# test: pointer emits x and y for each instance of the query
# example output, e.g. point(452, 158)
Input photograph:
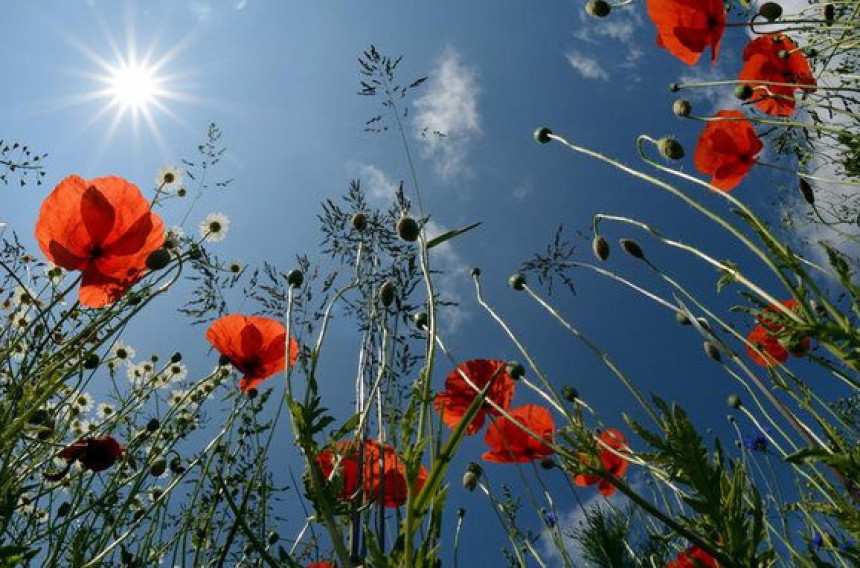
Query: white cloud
point(376, 183)
point(450, 282)
point(586, 66)
point(447, 118)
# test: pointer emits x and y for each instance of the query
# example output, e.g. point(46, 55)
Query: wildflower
point(817, 540)
point(168, 176)
point(510, 443)
point(769, 338)
point(84, 401)
point(686, 28)
point(452, 403)
point(123, 352)
point(105, 410)
point(173, 237)
point(176, 372)
point(757, 442)
point(103, 227)
point(693, 557)
point(214, 227)
point(322, 564)
point(55, 274)
point(727, 149)
point(612, 442)
point(178, 398)
point(139, 374)
point(776, 59)
point(94, 454)
point(255, 345)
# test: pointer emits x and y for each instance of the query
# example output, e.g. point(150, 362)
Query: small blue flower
point(817, 540)
point(549, 519)
point(757, 442)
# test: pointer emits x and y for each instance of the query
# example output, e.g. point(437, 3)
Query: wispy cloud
point(451, 280)
point(378, 186)
point(586, 66)
point(447, 118)
point(613, 37)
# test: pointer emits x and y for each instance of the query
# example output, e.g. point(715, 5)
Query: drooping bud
point(472, 475)
point(542, 135)
point(770, 11)
point(712, 351)
point(682, 318)
point(806, 191)
point(407, 228)
point(743, 92)
point(295, 278)
point(600, 247)
point(670, 148)
point(515, 370)
point(598, 8)
point(420, 320)
point(359, 221)
point(682, 108)
point(632, 248)
point(569, 393)
point(386, 293)
point(158, 259)
point(517, 281)
point(734, 401)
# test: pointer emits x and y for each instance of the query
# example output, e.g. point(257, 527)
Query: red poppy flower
point(95, 454)
point(255, 345)
point(686, 27)
point(458, 395)
point(766, 336)
point(383, 475)
point(509, 443)
point(610, 461)
point(693, 557)
point(727, 149)
point(762, 63)
point(103, 227)
point(322, 564)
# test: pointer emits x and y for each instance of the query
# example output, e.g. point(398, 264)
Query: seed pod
point(295, 278)
point(569, 393)
point(743, 92)
point(158, 467)
point(734, 401)
point(682, 108)
point(407, 229)
point(770, 11)
point(598, 8)
point(632, 248)
point(600, 247)
point(359, 221)
point(420, 320)
point(670, 148)
point(158, 259)
point(386, 293)
point(517, 281)
point(542, 135)
point(515, 370)
point(806, 191)
point(712, 351)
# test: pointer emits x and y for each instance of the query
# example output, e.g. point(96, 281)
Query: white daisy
point(123, 351)
point(176, 371)
point(173, 237)
point(168, 177)
point(55, 274)
point(214, 227)
point(83, 400)
point(80, 428)
point(178, 398)
point(105, 410)
point(155, 492)
point(42, 516)
point(138, 374)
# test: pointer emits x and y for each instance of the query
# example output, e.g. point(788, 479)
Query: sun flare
point(133, 86)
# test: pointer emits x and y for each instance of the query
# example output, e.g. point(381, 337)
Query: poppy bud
point(569, 393)
point(295, 278)
point(461, 512)
point(176, 466)
point(806, 191)
point(674, 87)
point(420, 320)
point(470, 481)
point(63, 509)
point(829, 14)
point(386, 293)
point(547, 463)
point(670, 148)
point(475, 272)
point(181, 192)
point(91, 361)
point(515, 370)
point(407, 228)
point(704, 323)
point(600, 247)
point(176, 357)
point(158, 259)
point(682, 108)
point(517, 281)
point(734, 401)
point(252, 393)
point(682, 318)
point(542, 135)
point(743, 92)
point(598, 8)
point(770, 11)
point(223, 361)
point(359, 221)
point(712, 351)
point(153, 425)
point(632, 248)
point(158, 467)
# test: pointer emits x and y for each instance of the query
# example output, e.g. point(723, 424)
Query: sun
point(133, 86)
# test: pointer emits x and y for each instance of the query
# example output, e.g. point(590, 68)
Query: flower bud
point(295, 278)
point(176, 466)
point(682, 108)
point(712, 351)
point(598, 8)
point(272, 538)
point(517, 281)
point(682, 318)
point(770, 11)
point(743, 92)
point(64, 509)
point(600, 247)
point(569, 393)
point(407, 228)
point(806, 191)
point(472, 475)
point(176, 357)
point(359, 221)
point(223, 361)
point(158, 259)
point(734, 401)
point(386, 293)
point(420, 320)
point(515, 370)
point(542, 135)
point(158, 467)
point(475, 272)
point(153, 425)
point(829, 14)
point(670, 148)
point(632, 248)
point(91, 361)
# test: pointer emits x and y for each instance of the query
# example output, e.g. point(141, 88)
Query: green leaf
point(450, 235)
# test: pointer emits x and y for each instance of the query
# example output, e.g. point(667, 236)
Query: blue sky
point(280, 79)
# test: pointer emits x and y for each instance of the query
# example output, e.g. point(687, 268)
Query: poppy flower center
point(96, 252)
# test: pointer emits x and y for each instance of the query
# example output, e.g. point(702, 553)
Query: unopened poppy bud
point(420, 320)
point(674, 87)
point(475, 272)
point(64, 509)
point(682, 108)
point(569, 393)
point(295, 278)
point(153, 425)
point(712, 351)
point(515, 370)
point(223, 361)
point(770, 11)
point(806, 191)
point(407, 228)
point(359, 221)
point(734, 401)
point(670, 148)
point(386, 293)
point(176, 357)
point(470, 481)
point(743, 92)
point(158, 259)
point(461, 512)
point(682, 318)
point(547, 463)
point(542, 135)
point(158, 467)
point(829, 14)
point(600, 247)
point(517, 281)
point(704, 323)
point(91, 361)
point(632, 248)
point(598, 8)
point(252, 393)
point(272, 538)
point(181, 192)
